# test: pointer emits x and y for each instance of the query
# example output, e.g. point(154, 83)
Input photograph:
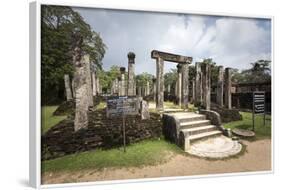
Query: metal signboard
point(258, 105)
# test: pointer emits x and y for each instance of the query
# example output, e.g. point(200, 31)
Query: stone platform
point(215, 147)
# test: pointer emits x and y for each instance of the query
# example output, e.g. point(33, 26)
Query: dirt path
point(256, 158)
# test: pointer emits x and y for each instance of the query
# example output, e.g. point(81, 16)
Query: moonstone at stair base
point(215, 147)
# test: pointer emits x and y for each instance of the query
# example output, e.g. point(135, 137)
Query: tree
point(57, 26)
point(141, 79)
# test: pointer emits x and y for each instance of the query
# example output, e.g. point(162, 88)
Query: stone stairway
point(191, 126)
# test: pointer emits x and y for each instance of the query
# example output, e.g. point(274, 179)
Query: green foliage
point(142, 79)
point(48, 120)
point(170, 78)
point(260, 130)
point(107, 77)
point(57, 26)
point(149, 152)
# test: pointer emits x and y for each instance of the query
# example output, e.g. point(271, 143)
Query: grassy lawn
point(47, 119)
point(149, 152)
point(247, 123)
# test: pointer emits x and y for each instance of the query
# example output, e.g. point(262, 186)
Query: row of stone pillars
point(183, 62)
point(203, 86)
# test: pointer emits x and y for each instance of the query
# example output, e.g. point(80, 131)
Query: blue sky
point(229, 41)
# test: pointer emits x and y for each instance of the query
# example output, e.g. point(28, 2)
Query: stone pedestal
point(67, 88)
point(220, 87)
point(159, 83)
point(198, 84)
point(185, 84)
point(131, 74)
point(228, 88)
point(206, 85)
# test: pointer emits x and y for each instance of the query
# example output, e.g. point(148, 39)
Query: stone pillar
point(206, 85)
point(220, 87)
point(228, 88)
point(139, 91)
point(176, 89)
point(179, 82)
point(86, 58)
point(73, 88)
point(98, 85)
point(131, 74)
point(159, 83)
point(154, 89)
point(94, 83)
point(185, 84)
point(169, 89)
point(81, 103)
point(193, 90)
point(67, 88)
point(198, 84)
point(147, 88)
point(119, 86)
point(122, 72)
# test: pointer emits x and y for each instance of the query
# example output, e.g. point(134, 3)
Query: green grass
point(149, 152)
point(101, 105)
point(48, 120)
point(247, 123)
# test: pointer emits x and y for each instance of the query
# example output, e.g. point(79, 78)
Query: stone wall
point(105, 133)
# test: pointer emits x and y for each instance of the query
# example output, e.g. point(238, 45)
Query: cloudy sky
point(231, 42)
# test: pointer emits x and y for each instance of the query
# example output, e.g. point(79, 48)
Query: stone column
point(98, 85)
point(220, 87)
point(131, 74)
point(73, 88)
point(228, 88)
point(119, 86)
point(122, 72)
point(185, 84)
point(159, 83)
point(193, 90)
point(176, 89)
point(147, 88)
point(206, 85)
point(179, 95)
point(81, 103)
point(169, 89)
point(86, 58)
point(198, 84)
point(139, 91)
point(94, 83)
point(154, 89)
point(67, 87)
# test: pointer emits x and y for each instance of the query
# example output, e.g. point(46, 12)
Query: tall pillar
point(86, 58)
point(122, 72)
point(154, 89)
point(206, 85)
point(139, 91)
point(185, 84)
point(94, 83)
point(73, 88)
point(81, 103)
point(147, 88)
point(131, 74)
point(220, 87)
point(98, 85)
point(228, 88)
point(159, 84)
point(198, 84)
point(67, 87)
point(179, 95)
point(176, 89)
point(193, 90)
point(169, 89)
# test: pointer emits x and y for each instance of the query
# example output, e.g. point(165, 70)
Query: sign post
point(120, 106)
point(258, 106)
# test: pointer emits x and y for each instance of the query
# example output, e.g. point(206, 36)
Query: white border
point(35, 92)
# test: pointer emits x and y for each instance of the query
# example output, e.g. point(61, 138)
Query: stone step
point(191, 124)
point(189, 118)
point(202, 129)
point(171, 110)
point(204, 135)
